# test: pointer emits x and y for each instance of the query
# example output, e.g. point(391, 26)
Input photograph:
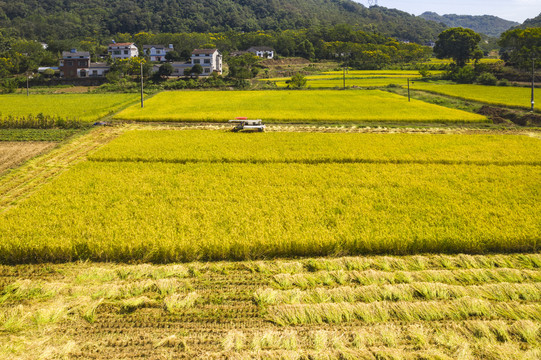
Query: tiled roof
point(260, 48)
point(99, 65)
point(121, 44)
point(76, 54)
point(203, 51)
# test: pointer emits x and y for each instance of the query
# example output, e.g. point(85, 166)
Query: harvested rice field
point(14, 153)
point(379, 307)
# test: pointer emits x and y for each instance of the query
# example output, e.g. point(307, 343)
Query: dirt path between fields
point(25, 180)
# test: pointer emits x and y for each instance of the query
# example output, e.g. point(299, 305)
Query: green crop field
point(495, 95)
point(36, 134)
point(81, 107)
point(292, 106)
point(221, 209)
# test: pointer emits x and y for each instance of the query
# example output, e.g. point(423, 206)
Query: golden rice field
point(382, 73)
point(292, 107)
point(356, 78)
point(496, 95)
point(286, 147)
point(335, 82)
point(228, 209)
point(81, 107)
point(454, 217)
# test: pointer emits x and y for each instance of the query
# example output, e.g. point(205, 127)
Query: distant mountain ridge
point(64, 19)
point(533, 22)
point(484, 24)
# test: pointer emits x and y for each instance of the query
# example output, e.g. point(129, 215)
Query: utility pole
point(409, 99)
point(533, 82)
point(344, 76)
point(142, 104)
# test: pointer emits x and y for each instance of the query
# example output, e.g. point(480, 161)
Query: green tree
point(297, 81)
point(165, 70)
point(520, 46)
point(173, 56)
point(243, 67)
point(459, 44)
point(196, 70)
point(306, 50)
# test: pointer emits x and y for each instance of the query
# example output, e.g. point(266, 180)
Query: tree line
point(343, 43)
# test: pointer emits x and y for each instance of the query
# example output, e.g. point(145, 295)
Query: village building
point(209, 59)
point(73, 62)
point(76, 64)
point(97, 70)
point(122, 50)
point(264, 52)
point(157, 52)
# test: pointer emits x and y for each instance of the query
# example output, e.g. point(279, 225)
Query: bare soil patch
point(15, 153)
point(75, 90)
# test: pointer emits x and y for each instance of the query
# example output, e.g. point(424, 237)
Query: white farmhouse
point(209, 59)
point(264, 52)
point(157, 52)
point(123, 50)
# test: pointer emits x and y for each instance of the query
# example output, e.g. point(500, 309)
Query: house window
point(116, 52)
point(69, 63)
point(196, 61)
point(207, 70)
point(125, 52)
point(207, 61)
point(81, 63)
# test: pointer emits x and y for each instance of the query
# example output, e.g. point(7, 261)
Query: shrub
point(463, 75)
point(175, 85)
point(487, 78)
point(297, 81)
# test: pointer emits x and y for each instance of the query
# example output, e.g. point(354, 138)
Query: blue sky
point(515, 10)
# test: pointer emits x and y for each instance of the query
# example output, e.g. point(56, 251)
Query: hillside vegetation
point(67, 19)
point(534, 22)
point(485, 24)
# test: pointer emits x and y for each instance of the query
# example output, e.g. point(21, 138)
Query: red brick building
point(73, 62)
